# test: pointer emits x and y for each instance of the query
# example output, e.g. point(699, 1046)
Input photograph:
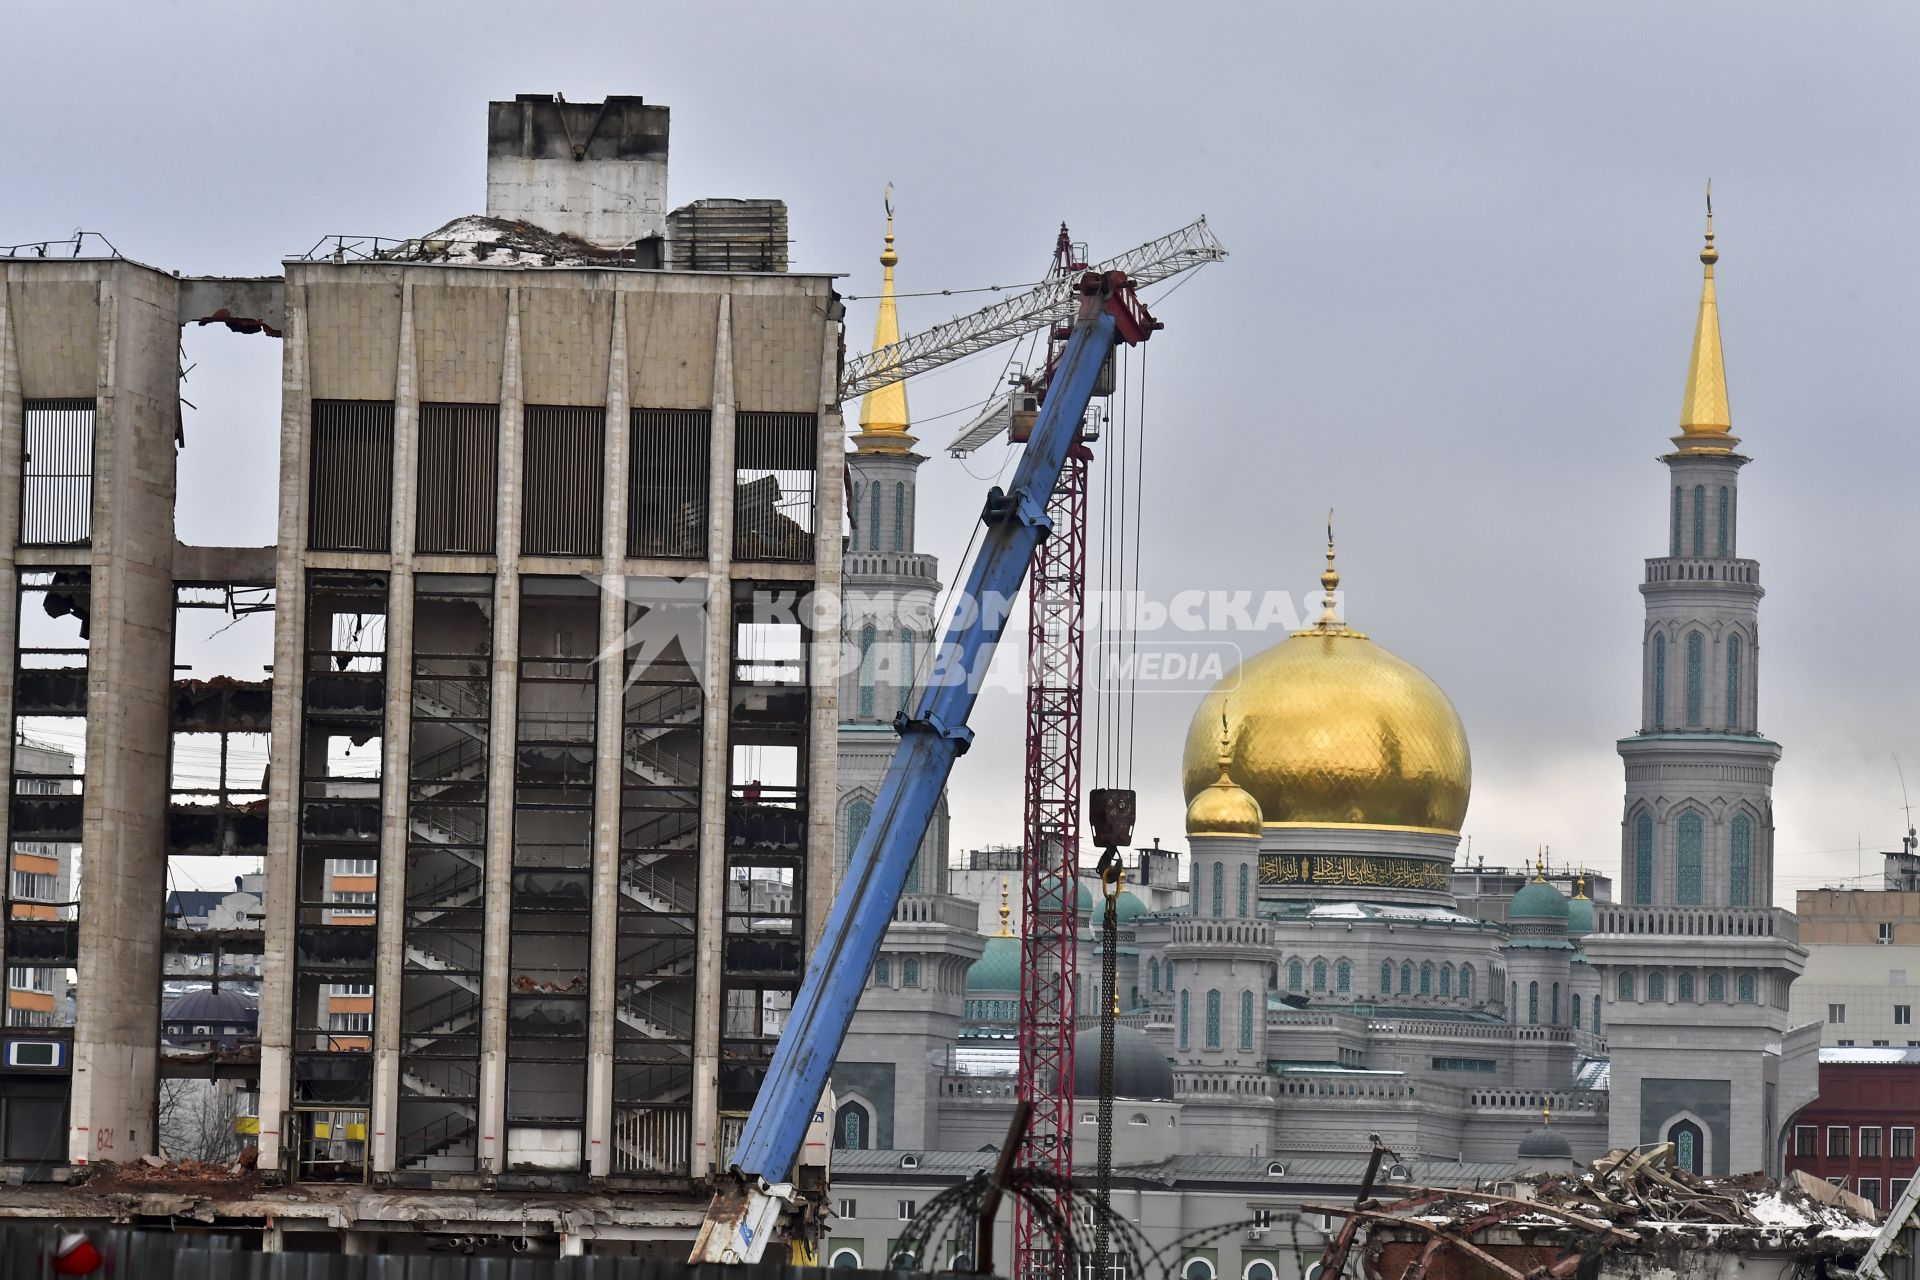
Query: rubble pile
point(502, 242)
point(1642, 1189)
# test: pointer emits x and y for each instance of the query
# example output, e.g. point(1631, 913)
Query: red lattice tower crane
point(1056, 652)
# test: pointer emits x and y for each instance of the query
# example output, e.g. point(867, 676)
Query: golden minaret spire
point(883, 411)
point(1706, 425)
point(1329, 623)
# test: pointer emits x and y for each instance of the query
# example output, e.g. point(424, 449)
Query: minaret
point(1695, 963)
point(1698, 824)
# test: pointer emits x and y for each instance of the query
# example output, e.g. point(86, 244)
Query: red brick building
point(1859, 1133)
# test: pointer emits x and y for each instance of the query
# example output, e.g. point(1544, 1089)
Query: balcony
point(937, 909)
point(892, 564)
point(1696, 922)
point(1703, 569)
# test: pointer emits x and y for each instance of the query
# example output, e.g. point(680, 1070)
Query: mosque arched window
point(1319, 975)
point(1716, 988)
point(1246, 1021)
point(1153, 973)
point(1513, 1002)
point(899, 517)
point(906, 669)
point(1696, 676)
point(1596, 1015)
point(1244, 870)
point(1213, 1019)
point(1722, 543)
point(1699, 520)
point(1626, 984)
point(1406, 977)
point(1446, 979)
point(1676, 520)
point(1386, 977)
point(1688, 1144)
point(1183, 1018)
point(1689, 841)
point(1533, 1003)
point(1643, 859)
point(853, 1127)
point(1659, 680)
point(883, 972)
point(1343, 977)
point(1219, 889)
point(866, 669)
point(1426, 979)
point(1740, 861)
point(1555, 1008)
point(1656, 985)
point(1733, 681)
point(873, 533)
point(1295, 976)
point(1683, 988)
point(859, 814)
point(1466, 982)
point(910, 972)
point(1575, 1019)
point(1747, 985)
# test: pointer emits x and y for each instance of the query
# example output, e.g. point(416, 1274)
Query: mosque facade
point(1321, 983)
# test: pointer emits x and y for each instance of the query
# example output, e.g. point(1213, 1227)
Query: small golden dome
point(1223, 809)
point(1329, 729)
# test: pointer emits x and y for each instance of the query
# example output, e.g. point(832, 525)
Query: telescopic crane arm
point(747, 1208)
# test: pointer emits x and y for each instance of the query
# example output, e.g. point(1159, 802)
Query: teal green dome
point(1538, 901)
point(1050, 901)
point(997, 971)
point(1580, 915)
point(1128, 908)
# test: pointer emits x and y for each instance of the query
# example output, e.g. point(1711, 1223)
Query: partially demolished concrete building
point(553, 690)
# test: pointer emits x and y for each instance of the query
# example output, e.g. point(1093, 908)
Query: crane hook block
point(1111, 811)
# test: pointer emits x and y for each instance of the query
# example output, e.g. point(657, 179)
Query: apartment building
point(553, 691)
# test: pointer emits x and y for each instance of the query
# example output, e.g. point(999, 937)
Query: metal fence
point(56, 480)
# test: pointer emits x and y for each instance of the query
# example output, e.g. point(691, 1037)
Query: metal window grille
point(565, 461)
point(773, 486)
point(56, 474)
point(669, 460)
point(459, 478)
point(350, 485)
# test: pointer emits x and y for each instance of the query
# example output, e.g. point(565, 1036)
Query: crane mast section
point(738, 1225)
point(1191, 246)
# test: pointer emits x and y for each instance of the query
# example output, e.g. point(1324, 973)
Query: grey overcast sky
point(1458, 307)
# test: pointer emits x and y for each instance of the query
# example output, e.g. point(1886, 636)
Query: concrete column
point(392, 895)
point(823, 731)
point(116, 1028)
point(11, 442)
point(607, 761)
point(283, 748)
point(500, 756)
point(716, 765)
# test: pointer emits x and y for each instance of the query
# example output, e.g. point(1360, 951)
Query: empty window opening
point(773, 486)
point(227, 469)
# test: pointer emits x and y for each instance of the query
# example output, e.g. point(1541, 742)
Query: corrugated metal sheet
point(565, 464)
point(459, 478)
point(350, 485)
point(670, 461)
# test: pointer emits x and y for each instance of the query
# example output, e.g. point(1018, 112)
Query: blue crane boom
point(747, 1206)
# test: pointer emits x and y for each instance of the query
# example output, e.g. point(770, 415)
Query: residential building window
point(1896, 1188)
point(1246, 1021)
point(1838, 1141)
point(361, 1022)
point(1885, 934)
point(849, 1209)
point(1213, 1019)
point(1733, 682)
point(1343, 976)
point(1901, 1146)
point(1643, 859)
point(1740, 861)
point(1869, 1143)
point(1836, 1014)
point(1659, 680)
point(908, 1210)
point(1844, 1044)
point(1689, 840)
point(1696, 674)
point(1183, 1019)
point(1806, 1140)
point(1902, 1015)
point(1870, 1192)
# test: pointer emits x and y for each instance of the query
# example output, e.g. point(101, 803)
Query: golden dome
point(1224, 808)
point(1329, 729)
